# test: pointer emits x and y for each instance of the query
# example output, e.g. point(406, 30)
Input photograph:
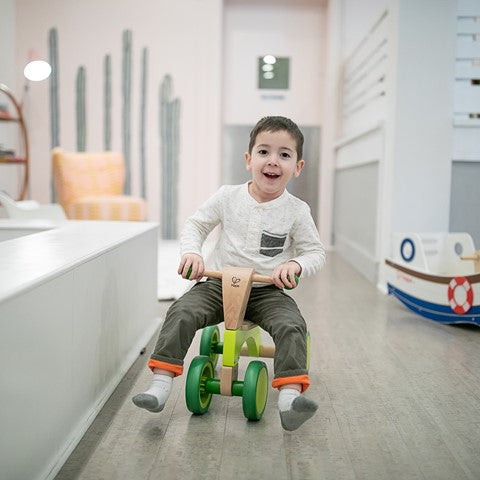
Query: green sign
point(273, 72)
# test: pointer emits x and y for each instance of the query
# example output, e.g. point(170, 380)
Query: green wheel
point(308, 341)
point(210, 337)
point(255, 390)
point(197, 399)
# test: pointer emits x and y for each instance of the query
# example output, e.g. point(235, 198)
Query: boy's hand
point(284, 275)
point(191, 260)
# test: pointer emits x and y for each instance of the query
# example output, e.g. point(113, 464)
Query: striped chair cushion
point(107, 207)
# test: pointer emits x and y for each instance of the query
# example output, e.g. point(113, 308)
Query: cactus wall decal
point(81, 110)
point(107, 103)
point(143, 118)
point(54, 110)
point(169, 136)
point(169, 115)
point(126, 107)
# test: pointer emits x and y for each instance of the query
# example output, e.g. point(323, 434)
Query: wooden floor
point(399, 398)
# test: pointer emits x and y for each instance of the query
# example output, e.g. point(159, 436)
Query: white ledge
point(33, 259)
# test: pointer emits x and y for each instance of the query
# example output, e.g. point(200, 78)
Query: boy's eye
point(285, 155)
point(262, 151)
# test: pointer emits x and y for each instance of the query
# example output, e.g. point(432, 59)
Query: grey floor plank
point(399, 398)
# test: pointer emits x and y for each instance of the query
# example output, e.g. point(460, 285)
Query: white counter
point(77, 305)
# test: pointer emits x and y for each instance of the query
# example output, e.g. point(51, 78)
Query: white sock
point(155, 397)
point(286, 397)
point(160, 387)
point(294, 408)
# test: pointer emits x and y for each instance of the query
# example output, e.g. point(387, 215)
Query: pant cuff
point(303, 380)
point(171, 367)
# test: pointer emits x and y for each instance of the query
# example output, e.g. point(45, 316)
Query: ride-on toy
point(241, 338)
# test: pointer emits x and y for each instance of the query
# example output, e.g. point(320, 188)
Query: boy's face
point(273, 162)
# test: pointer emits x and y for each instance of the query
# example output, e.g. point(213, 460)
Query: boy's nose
point(273, 160)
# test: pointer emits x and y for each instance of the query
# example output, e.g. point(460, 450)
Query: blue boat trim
point(435, 311)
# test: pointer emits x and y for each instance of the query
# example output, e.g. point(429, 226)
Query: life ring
point(407, 249)
point(464, 284)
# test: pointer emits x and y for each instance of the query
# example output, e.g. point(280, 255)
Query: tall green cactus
point(126, 106)
point(169, 152)
point(107, 106)
point(54, 109)
point(81, 110)
point(143, 120)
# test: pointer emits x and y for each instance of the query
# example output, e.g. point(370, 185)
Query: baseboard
point(364, 262)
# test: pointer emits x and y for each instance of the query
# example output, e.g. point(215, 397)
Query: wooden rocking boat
point(436, 275)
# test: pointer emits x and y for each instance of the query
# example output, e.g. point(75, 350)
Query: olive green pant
point(269, 307)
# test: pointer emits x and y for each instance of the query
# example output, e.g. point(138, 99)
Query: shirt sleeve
point(201, 223)
point(310, 253)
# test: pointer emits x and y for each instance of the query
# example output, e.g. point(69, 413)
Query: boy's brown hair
point(275, 124)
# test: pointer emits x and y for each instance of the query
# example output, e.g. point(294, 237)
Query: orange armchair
point(89, 186)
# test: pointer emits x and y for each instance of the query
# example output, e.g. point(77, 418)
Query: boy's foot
point(155, 397)
point(295, 409)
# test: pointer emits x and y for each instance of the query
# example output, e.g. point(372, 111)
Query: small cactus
point(81, 110)
point(126, 110)
point(107, 114)
point(54, 109)
point(169, 155)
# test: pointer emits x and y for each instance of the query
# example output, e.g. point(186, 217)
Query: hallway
point(399, 398)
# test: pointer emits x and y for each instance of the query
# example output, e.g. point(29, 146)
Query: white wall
point(183, 38)
point(254, 29)
point(423, 115)
point(408, 107)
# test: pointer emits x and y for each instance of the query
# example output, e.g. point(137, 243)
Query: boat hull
point(433, 296)
point(434, 311)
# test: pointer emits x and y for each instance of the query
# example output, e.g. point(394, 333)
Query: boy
point(263, 227)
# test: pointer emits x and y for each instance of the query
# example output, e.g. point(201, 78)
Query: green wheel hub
point(197, 398)
point(255, 390)
point(210, 338)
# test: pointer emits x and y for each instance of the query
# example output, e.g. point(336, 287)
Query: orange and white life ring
point(460, 295)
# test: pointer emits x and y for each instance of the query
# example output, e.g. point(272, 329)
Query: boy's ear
point(298, 167)
point(248, 159)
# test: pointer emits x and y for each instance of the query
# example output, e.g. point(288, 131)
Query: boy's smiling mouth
point(271, 175)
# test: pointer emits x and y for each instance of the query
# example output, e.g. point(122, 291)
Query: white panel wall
point(396, 109)
point(357, 19)
point(359, 150)
point(467, 83)
point(466, 125)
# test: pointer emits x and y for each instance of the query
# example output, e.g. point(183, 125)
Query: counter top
point(32, 259)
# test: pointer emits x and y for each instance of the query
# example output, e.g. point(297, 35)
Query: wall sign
point(273, 72)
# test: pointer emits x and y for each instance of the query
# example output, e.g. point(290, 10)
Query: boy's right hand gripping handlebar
point(255, 277)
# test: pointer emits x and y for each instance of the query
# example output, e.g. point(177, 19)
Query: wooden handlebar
point(470, 257)
point(255, 278)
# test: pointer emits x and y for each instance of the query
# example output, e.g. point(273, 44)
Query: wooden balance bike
point(241, 338)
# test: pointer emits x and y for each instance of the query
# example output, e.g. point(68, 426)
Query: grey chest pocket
point(272, 244)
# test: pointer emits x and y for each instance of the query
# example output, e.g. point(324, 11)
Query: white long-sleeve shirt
point(255, 235)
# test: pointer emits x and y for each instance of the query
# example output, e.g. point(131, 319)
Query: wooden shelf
point(13, 160)
point(4, 118)
point(21, 160)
